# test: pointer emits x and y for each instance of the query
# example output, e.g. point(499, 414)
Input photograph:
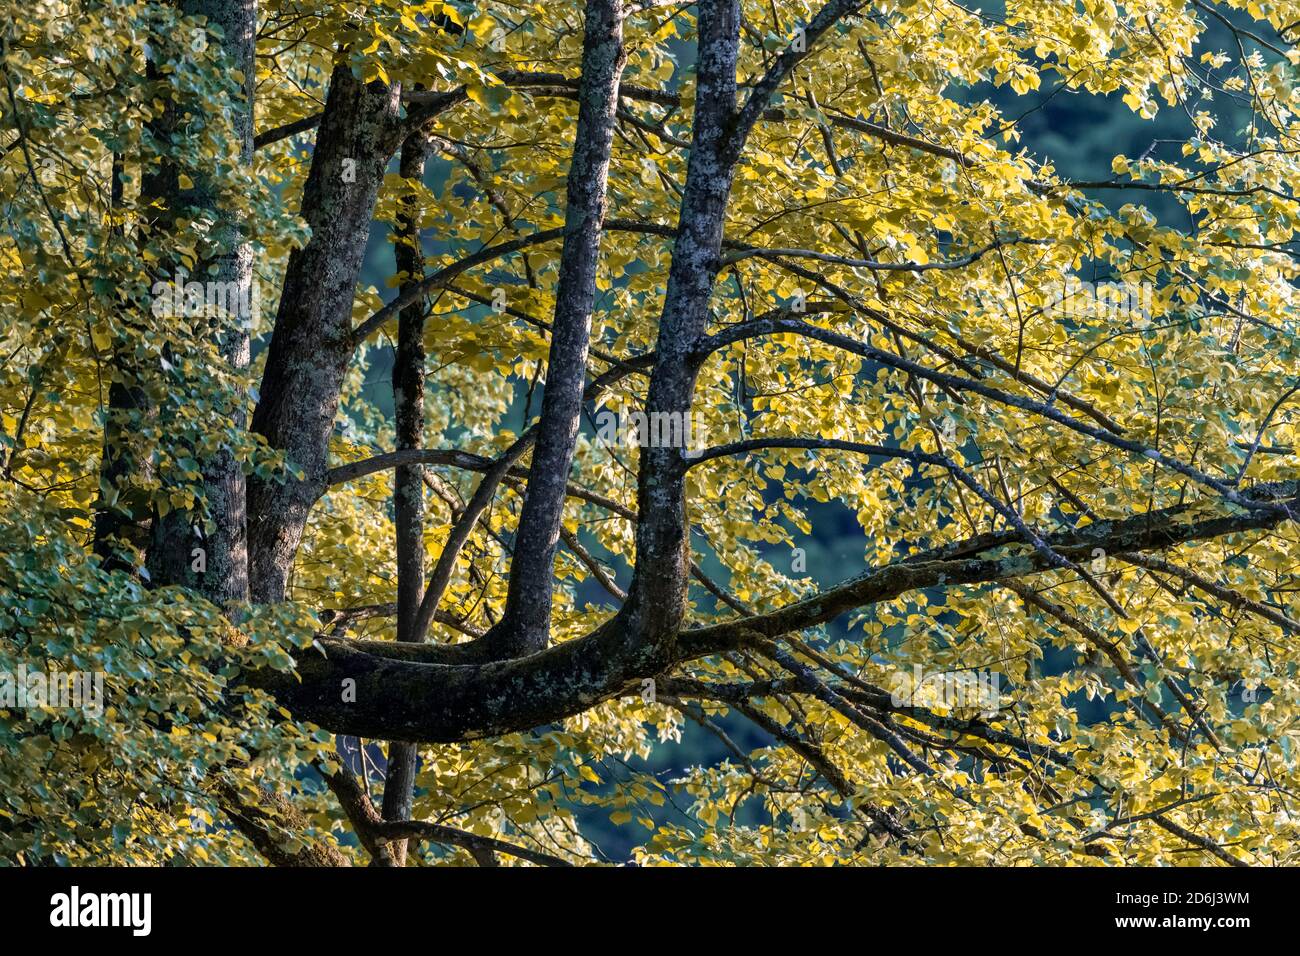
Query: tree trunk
point(311, 346)
point(526, 625)
point(225, 579)
point(657, 597)
point(408, 480)
point(121, 516)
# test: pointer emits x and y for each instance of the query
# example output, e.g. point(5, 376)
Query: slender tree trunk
point(657, 597)
point(121, 516)
point(408, 480)
point(217, 560)
point(225, 578)
point(526, 625)
point(311, 346)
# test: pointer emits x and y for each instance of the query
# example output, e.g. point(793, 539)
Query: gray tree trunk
point(525, 627)
point(311, 346)
point(220, 566)
point(408, 480)
point(225, 579)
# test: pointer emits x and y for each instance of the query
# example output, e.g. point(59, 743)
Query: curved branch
point(447, 273)
point(387, 690)
point(746, 252)
point(769, 326)
point(376, 833)
point(781, 68)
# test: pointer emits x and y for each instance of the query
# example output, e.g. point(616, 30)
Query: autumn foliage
point(309, 313)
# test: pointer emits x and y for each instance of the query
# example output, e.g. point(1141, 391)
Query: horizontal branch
point(392, 831)
point(1055, 393)
point(1046, 410)
point(386, 690)
point(1224, 594)
point(746, 252)
point(406, 456)
point(975, 561)
point(375, 832)
point(1183, 188)
point(274, 135)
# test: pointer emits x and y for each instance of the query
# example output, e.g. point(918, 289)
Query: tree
point(671, 283)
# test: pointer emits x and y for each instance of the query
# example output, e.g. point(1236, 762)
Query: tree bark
point(311, 345)
point(275, 827)
point(406, 692)
point(525, 628)
point(408, 480)
point(657, 597)
point(225, 580)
